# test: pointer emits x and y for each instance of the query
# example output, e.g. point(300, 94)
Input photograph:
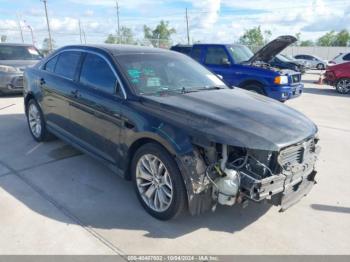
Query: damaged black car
point(160, 119)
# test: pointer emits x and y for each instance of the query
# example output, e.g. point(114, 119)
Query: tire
point(320, 67)
point(255, 88)
point(156, 184)
point(36, 122)
point(343, 86)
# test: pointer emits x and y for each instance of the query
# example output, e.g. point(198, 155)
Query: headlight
point(281, 80)
point(8, 69)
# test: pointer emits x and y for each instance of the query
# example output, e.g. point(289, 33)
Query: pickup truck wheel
point(36, 122)
point(343, 86)
point(158, 182)
point(256, 88)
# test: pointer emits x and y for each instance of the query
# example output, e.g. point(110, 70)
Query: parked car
point(14, 58)
point(314, 61)
point(339, 76)
point(238, 66)
point(341, 58)
point(299, 62)
point(282, 62)
point(176, 130)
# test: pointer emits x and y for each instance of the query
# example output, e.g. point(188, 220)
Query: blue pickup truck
point(238, 66)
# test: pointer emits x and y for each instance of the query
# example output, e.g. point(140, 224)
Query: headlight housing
point(8, 69)
point(281, 80)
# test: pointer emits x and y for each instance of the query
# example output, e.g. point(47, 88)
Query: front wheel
point(255, 88)
point(158, 182)
point(343, 86)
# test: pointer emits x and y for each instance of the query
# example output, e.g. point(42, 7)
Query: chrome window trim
point(94, 53)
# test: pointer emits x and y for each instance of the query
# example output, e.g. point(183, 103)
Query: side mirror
point(225, 61)
point(117, 87)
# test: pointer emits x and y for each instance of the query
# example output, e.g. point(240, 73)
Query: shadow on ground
point(328, 208)
point(322, 90)
point(89, 194)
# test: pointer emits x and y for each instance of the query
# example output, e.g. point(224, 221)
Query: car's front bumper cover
point(11, 83)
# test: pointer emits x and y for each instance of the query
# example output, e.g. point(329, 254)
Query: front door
point(95, 108)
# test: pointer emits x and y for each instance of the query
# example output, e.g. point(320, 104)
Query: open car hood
point(270, 50)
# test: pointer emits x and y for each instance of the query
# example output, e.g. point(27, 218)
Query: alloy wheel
point(34, 119)
point(154, 183)
point(343, 86)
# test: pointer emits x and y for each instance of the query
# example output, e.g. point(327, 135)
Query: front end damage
point(227, 175)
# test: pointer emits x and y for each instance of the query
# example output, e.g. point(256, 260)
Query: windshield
point(19, 53)
point(240, 53)
point(166, 73)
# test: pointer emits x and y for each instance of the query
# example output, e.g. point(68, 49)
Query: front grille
point(296, 78)
point(296, 154)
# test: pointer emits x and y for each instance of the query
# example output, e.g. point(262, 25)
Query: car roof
point(15, 44)
point(116, 49)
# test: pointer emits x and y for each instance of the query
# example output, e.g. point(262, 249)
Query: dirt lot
point(55, 200)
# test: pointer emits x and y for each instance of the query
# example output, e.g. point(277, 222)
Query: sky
point(209, 20)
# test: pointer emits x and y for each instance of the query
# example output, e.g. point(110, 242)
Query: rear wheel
point(343, 86)
point(158, 182)
point(36, 122)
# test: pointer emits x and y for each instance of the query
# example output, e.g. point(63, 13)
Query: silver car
point(314, 61)
point(14, 59)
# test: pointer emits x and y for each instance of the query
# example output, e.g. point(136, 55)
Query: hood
point(20, 64)
point(269, 51)
point(233, 116)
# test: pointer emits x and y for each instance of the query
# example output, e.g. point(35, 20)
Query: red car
point(339, 76)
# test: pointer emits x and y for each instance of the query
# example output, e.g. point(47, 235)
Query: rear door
point(57, 84)
point(217, 60)
point(96, 107)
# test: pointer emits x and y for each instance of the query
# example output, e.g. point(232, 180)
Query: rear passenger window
point(97, 73)
point(50, 66)
point(215, 56)
point(347, 57)
point(67, 64)
point(196, 53)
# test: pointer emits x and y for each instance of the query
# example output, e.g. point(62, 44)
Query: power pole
point(117, 7)
point(80, 33)
point(20, 27)
point(48, 25)
point(188, 31)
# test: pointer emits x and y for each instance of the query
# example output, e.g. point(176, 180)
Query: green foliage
point(306, 43)
point(255, 37)
point(46, 45)
point(159, 36)
point(332, 38)
point(126, 37)
point(3, 38)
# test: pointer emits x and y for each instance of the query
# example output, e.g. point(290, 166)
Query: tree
point(3, 38)
point(160, 36)
point(306, 43)
point(46, 45)
point(126, 37)
point(328, 39)
point(342, 38)
point(255, 37)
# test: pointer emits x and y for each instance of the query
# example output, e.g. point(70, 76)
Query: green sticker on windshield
point(134, 73)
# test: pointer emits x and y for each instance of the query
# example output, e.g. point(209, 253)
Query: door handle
point(42, 81)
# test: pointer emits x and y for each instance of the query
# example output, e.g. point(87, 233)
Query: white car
point(314, 61)
point(341, 58)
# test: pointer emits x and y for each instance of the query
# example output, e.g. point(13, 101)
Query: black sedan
point(165, 122)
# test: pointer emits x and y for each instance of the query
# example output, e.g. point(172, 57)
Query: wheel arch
point(252, 82)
